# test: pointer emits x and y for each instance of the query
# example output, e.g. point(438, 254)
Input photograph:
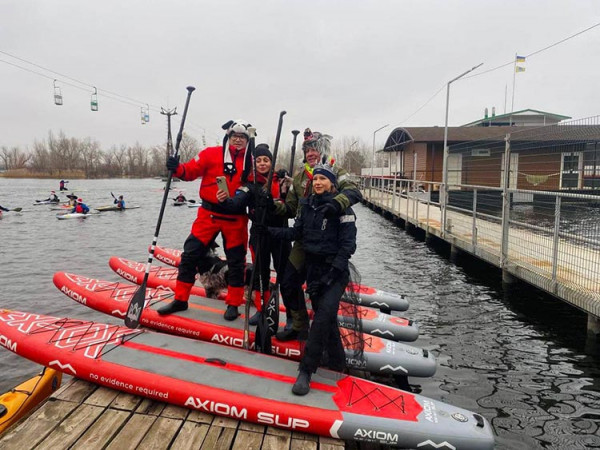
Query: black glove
point(313, 289)
point(333, 274)
point(331, 208)
point(281, 174)
point(265, 200)
point(173, 163)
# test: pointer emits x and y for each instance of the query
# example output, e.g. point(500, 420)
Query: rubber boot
point(174, 306)
point(299, 330)
point(255, 318)
point(231, 313)
point(302, 384)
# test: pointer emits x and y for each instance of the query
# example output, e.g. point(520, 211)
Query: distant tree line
point(60, 155)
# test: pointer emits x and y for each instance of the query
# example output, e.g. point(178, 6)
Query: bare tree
point(188, 148)
point(90, 156)
point(14, 158)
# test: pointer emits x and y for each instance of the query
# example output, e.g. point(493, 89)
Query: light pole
point(444, 192)
point(373, 161)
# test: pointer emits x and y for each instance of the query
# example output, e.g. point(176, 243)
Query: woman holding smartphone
point(250, 196)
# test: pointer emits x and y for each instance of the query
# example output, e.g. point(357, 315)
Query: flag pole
point(512, 105)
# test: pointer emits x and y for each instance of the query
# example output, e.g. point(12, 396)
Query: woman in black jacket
point(328, 241)
point(252, 195)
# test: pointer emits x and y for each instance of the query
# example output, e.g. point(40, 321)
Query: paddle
point(136, 304)
point(262, 339)
point(16, 209)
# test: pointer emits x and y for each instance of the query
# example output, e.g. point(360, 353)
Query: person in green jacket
point(316, 146)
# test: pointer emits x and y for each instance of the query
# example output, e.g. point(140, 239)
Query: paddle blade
point(262, 337)
point(17, 209)
point(135, 308)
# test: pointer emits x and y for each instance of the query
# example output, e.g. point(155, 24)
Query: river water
point(519, 358)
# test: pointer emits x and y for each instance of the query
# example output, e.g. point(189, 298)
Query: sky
point(345, 68)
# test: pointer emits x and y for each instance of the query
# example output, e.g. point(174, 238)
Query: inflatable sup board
point(375, 298)
point(204, 320)
point(373, 321)
point(242, 385)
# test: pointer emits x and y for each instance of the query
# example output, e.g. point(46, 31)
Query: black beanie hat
point(263, 150)
point(327, 171)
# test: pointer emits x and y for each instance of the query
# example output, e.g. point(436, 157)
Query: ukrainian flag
point(519, 69)
point(520, 59)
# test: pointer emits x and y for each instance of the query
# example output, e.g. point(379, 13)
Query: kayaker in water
point(53, 198)
point(72, 199)
point(80, 207)
point(120, 202)
point(315, 148)
point(328, 241)
point(250, 196)
point(62, 185)
point(180, 198)
point(233, 161)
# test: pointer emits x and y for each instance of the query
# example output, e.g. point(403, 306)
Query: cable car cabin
point(58, 100)
point(94, 101)
point(145, 114)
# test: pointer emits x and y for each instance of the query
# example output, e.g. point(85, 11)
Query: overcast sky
point(342, 67)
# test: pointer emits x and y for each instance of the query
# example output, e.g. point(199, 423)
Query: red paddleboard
point(373, 321)
point(204, 320)
point(368, 296)
point(239, 384)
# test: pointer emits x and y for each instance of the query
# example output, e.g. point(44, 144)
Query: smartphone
point(222, 184)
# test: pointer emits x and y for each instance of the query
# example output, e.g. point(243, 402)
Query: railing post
point(505, 205)
point(555, 240)
point(474, 231)
point(414, 185)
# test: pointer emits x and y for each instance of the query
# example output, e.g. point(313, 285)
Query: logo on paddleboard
point(460, 417)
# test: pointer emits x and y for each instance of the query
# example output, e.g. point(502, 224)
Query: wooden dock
point(82, 415)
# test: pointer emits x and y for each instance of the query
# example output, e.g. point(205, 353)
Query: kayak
point(243, 385)
point(176, 203)
point(194, 204)
point(368, 296)
point(204, 320)
point(45, 202)
point(373, 321)
point(114, 208)
point(23, 398)
point(72, 216)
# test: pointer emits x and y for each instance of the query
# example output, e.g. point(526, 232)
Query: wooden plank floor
point(82, 415)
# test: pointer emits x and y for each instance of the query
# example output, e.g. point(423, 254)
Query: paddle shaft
point(262, 213)
point(136, 305)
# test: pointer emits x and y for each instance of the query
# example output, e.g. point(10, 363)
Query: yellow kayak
point(23, 398)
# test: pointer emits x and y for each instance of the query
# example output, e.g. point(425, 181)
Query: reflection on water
point(518, 358)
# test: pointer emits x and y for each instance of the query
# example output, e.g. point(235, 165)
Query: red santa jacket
point(208, 164)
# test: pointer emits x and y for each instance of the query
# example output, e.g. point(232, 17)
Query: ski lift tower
point(169, 113)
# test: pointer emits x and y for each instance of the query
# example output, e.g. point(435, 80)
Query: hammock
point(537, 179)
